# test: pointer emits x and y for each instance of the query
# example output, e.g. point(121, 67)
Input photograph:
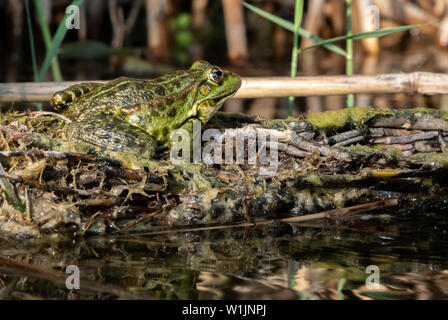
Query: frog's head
point(214, 87)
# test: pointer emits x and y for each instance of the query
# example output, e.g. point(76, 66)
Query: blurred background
point(146, 38)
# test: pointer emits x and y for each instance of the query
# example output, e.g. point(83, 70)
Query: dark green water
point(323, 260)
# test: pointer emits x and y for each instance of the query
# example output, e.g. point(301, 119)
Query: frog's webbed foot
point(113, 134)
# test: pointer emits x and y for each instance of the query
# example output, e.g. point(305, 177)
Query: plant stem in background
point(298, 11)
point(341, 285)
point(290, 27)
point(57, 40)
point(30, 33)
point(237, 49)
point(55, 70)
point(329, 43)
point(365, 35)
point(33, 51)
point(349, 56)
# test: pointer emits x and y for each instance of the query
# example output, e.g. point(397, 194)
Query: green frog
point(136, 115)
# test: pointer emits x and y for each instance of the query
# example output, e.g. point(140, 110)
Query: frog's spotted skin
point(125, 113)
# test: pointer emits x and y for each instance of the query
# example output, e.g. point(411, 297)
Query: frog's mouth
point(220, 100)
point(209, 107)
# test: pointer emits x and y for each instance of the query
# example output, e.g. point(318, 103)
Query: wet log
point(326, 161)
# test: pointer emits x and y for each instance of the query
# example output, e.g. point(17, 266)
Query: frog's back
point(125, 94)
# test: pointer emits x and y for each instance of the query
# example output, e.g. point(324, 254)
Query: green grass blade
point(341, 285)
point(365, 35)
point(298, 13)
point(55, 70)
point(31, 35)
point(57, 40)
point(349, 48)
point(290, 27)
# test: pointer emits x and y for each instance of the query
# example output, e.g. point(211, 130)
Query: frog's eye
point(215, 75)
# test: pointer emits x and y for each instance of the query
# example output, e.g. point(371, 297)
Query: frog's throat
point(196, 114)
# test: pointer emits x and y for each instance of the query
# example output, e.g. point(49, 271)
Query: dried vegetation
point(54, 187)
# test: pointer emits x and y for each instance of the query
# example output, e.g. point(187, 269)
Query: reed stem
point(57, 40)
point(349, 50)
point(55, 69)
point(30, 33)
point(298, 11)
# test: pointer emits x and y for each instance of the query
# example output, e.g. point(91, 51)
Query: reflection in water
point(266, 262)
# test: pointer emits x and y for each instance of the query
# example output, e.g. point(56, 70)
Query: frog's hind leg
point(113, 134)
point(62, 99)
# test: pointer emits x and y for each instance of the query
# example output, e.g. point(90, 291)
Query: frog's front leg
point(114, 134)
point(191, 166)
point(188, 139)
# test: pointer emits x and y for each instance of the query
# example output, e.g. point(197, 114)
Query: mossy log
point(326, 161)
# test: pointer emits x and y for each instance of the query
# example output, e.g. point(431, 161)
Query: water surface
point(319, 260)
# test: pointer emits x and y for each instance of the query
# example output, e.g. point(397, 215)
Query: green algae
point(339, 119)
point(313, 180)
point(411, 113)
point(389, 153)
point(357, 118)
point(439, 158)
